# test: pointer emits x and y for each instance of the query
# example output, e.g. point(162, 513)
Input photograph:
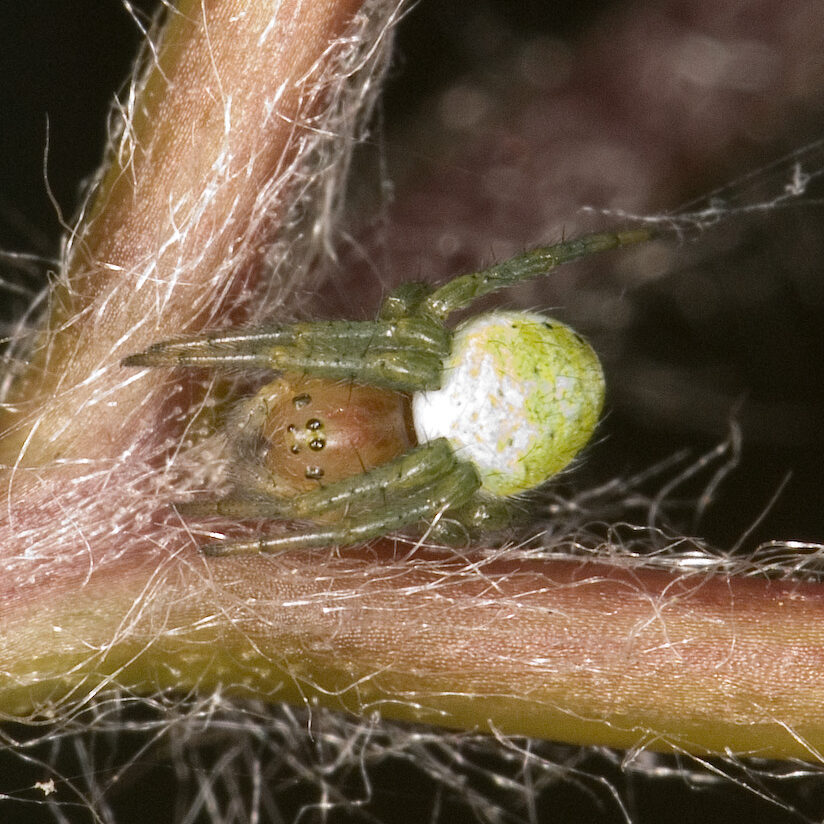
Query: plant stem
point(104, 587)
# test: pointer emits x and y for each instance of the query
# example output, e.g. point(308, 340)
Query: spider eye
point(520, 398)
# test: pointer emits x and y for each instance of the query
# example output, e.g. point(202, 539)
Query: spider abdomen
point(520, 397)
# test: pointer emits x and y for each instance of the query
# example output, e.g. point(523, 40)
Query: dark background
point(61, 63)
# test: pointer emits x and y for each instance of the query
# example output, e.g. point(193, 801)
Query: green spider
point(376, 426)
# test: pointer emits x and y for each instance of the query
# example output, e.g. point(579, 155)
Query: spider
point(375, 426)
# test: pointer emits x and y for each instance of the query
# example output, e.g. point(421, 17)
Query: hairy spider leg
point(462, 291)
point(453, 488)
point(483, 513)
point(405, 355)
point(404, 475)
point(403, 350)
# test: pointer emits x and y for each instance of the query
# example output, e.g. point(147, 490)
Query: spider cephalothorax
point(375, 426)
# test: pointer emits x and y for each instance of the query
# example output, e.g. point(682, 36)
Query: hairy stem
point(104, 587)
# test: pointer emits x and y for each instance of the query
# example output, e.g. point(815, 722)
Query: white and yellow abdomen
point(521, 396)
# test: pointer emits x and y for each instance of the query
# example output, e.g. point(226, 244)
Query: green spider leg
point(465, 289)
point(384, 485)
point(408, 472)
point(371, 352)
point(403, 350)
point(435, 490)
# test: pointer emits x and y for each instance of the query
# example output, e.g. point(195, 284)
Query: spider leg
point(417, 468)
point(462, 291)
point(409, 472)
point(483, 513)
point(404, 354)
point(454, 487)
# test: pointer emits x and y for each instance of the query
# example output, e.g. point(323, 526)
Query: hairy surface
point(610, 629)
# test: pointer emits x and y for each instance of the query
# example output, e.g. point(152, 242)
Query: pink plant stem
point(103, 586)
